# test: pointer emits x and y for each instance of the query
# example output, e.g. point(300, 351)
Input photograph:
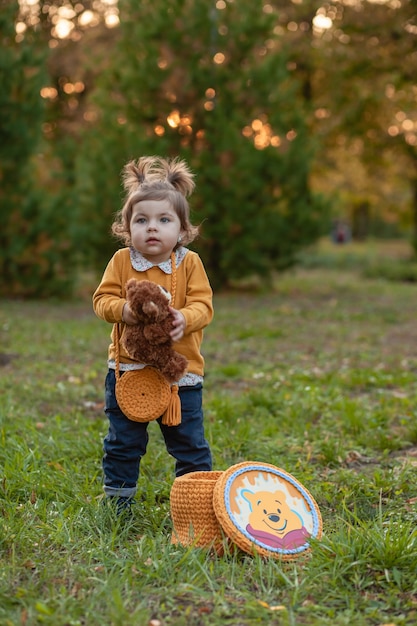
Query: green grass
point(317, 377)
point(391, 260)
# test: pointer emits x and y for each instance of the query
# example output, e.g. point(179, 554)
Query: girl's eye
point(140, 220)
point(165, 220)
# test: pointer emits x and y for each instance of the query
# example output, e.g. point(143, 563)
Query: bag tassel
point(172, 416)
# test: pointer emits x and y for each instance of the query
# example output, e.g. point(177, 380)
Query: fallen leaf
point(56, 465)
point(264, 604)
point(75, 589)
point(272, 607)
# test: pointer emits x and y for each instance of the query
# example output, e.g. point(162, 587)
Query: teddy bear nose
point(274, 518)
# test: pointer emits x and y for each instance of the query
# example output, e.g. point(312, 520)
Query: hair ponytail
point(151, 169)
point(136, 173)
point(178, 174)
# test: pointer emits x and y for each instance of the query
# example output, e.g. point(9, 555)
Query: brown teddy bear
point(149, 341)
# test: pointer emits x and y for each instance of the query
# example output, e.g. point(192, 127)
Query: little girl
point(153, 223)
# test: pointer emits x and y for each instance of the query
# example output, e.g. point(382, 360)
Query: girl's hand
point(128, 317)
point(178, 325)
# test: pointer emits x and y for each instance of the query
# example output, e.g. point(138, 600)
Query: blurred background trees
point(292, 114)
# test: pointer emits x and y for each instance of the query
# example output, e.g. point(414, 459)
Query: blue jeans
point(126, 441)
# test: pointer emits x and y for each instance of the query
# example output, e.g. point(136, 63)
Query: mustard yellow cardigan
point(193, 297)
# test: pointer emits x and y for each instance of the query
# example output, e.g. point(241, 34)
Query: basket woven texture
point(194, 520)
point(143, 395)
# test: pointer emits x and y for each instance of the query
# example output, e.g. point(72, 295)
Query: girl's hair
point(155, 178)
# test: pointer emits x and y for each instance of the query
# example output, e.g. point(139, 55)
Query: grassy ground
point(317, 377)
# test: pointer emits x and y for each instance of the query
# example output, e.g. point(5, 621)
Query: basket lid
point(262, 508)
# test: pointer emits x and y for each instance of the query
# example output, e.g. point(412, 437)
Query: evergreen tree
point(210, 82)
point(362, 82)
point(35, 250)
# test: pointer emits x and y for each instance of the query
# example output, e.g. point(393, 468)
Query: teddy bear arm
point(134, 342)
point(157, 333)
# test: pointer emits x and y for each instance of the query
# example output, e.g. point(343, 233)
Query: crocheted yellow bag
point(143, 395)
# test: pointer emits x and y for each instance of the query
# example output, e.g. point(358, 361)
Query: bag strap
point(117, 332)
point(173, 278)
point(117, 343)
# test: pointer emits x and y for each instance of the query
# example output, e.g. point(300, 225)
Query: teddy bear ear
point(150, 308)
point(129, 286)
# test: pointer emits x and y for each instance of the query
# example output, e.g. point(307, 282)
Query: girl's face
point(154, 229)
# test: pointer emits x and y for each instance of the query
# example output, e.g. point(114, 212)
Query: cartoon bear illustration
point(272, 521)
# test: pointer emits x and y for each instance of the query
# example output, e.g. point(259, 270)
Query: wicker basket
point(192, 512)
point(253, 506)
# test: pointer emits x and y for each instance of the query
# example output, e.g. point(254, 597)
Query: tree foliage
point(363, 87)
point(269, 102)
point(212, 85)
point(35, 251)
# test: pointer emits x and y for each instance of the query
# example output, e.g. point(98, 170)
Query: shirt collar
point(140, 264)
